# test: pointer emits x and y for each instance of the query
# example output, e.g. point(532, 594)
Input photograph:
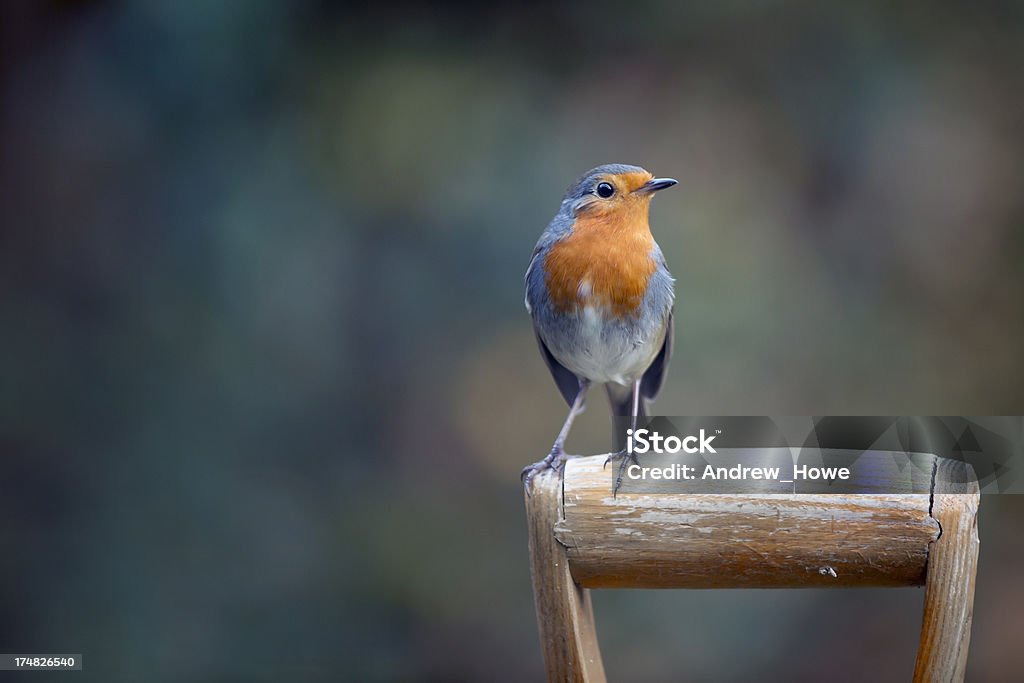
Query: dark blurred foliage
point(267, 381)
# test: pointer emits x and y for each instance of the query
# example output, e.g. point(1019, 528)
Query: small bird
point(601, 299)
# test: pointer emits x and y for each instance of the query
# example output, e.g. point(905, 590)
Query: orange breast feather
point(605, 262)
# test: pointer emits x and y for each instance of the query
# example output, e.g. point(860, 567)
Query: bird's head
point(613, 189)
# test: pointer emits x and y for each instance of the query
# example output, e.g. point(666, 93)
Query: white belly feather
point(602, 350)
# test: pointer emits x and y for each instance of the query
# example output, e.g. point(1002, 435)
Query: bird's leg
point(628, 457)
point(555, 459)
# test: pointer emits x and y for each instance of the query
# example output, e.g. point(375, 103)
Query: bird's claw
point(627, 458)
point(555, 460)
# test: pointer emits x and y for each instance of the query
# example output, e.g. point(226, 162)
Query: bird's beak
point(656, 184)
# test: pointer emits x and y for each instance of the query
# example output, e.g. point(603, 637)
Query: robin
point(601, 298)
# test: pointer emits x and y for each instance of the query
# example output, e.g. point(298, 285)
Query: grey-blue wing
point(654, 376)
point(566, 380)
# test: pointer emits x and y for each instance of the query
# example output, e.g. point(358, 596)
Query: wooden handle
point(673, 540)
point(565, 616)
point(949, 589)
point(582, 537)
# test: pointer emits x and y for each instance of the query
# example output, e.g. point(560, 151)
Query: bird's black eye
point(605, 190)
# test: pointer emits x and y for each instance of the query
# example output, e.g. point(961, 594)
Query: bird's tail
point(621, 400)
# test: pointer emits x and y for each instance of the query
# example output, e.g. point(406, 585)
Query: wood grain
point(673, 540)
point(949, 589)
point(565, 615)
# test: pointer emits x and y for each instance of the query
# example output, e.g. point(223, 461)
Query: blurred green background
point(266, 380)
